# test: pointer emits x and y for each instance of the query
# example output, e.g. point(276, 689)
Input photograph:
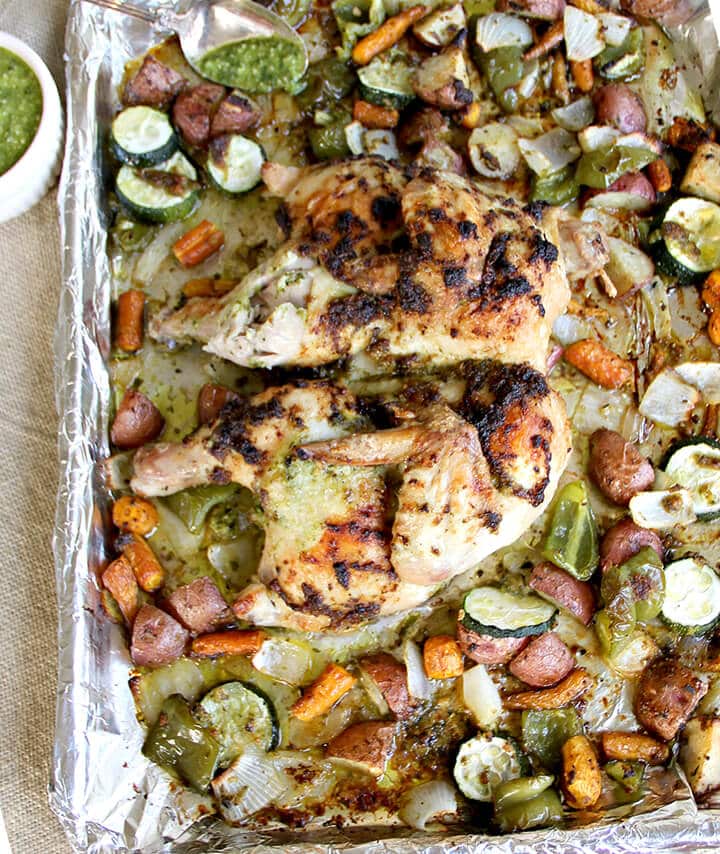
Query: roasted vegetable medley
point(415, 468)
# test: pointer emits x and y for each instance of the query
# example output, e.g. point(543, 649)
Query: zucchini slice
point(690, 236)
point(500, 614)
point(483, 763)
point(166, 193)
point(695, 464)
point(387, 81)
point(692, 596)
point(142, 136)
point(236, 713)
point(235, 163)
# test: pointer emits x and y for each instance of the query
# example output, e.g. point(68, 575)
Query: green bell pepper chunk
point(545, 731)
point(599, 169)
point(357, 18)
point(181, 745)
point(293, 12)
point(193, 505)
point(326, 83)
point(630, 775)
point(132, 236)
point(643, 576)
point(539, 811)
point(523, 789)
point(555, 189)
point(572, 539)
point(329, 142)
point(504, 68)
point(624, 60)
point(615, 624)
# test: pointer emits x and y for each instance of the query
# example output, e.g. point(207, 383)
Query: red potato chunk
point(667, 695)
point(199, 606)
point(620, 107)
point(544, 662)
point(137, 421)
point(193, 111)
point(624, 540)
point(236, 114)
point(619, 470)
point(390, 676)
point(367, 745)
point(153, 85)
point(157, 638)
point(564, 590)
point(488, 650)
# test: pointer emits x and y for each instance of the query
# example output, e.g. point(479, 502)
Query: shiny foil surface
point(107, 795)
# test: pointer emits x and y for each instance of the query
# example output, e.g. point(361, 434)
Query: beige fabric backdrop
point(29, 283)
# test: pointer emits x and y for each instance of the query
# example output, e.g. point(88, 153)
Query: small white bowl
point(27, 180)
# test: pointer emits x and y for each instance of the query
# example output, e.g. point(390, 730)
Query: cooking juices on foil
point(105, 809)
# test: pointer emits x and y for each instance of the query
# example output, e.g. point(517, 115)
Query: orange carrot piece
point(372, 116)
point(235, 642)
point(601, 365)
point(442, 657)
point(386, 35)
point(324, 692)
point(198, 244)
point(659, 175)
point(135, 515)
point(582, 74)
point(147, 568)
point(129, 321)
point(208, 287)
point(119, 580)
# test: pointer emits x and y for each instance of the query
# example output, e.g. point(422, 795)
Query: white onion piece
point(184, 544)
point(248, 785)
point(306, 780)
point(705, 376)
point(283, 660)
point(583, 39)
point(381, 143)
point(152, 689)
point(615, 28)
point(156, 252)
point(620, 200)
point(527, 85)
point(550, 152)
point(528, 127)
point(595, 137)
point(493, 150)
point(669, 400)
point(569, 328)
point(575, 116)
point(481, 696)
point(500, 30)
point(427, 803)
point(663, 508)
point(418, 684)
point(355, 135)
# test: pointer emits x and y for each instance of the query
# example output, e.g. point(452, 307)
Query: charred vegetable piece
point(544, 731)
point(193, 505)
point(633, 746)
point(572, 539)
point(667, 695)
point(181, 745)
point(581, 779)
point(572, 686)
point(692, 599)
point(235, 163)
point(502, 614)
point(236, 713)
point(134, 515)
point(630, 775)
point(619, 62)
point(542, 810)
point(483, 763)
point(695, 465)
point(643, 575)
point(167, 192)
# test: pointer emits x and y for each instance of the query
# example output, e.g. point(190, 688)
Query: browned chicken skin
point(409, 263)
point(343, 542)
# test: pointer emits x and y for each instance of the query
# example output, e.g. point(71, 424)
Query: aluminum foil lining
point(107, 795)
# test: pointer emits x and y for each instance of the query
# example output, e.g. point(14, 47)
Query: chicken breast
point(360, 523)
point(416, 264)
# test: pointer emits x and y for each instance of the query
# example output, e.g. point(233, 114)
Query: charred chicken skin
point(361, 522)
point(410, 263)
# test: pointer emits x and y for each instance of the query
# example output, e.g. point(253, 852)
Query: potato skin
point(617, 105)
point(390, 676)
point(137, 421)
point(624, 540)
point(634, 745)
point(667, 695)
point(581, 780)
point(577, 597)
point(635, 183)
point(617, 467)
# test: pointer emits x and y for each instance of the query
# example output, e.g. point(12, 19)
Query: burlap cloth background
point(29, 284)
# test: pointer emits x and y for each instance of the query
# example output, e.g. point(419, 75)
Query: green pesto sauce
point(20, 108)
point(255, 65)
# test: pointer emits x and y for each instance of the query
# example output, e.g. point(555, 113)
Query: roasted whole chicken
point(361, 522)
point(414, 264)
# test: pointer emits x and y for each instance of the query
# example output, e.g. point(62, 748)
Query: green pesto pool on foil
point(20, 108)
point(255, 65)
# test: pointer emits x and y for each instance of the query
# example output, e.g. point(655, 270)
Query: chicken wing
point(343, 541)
point(403, 263)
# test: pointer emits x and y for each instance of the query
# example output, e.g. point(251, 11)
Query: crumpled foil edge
point(106, 795)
